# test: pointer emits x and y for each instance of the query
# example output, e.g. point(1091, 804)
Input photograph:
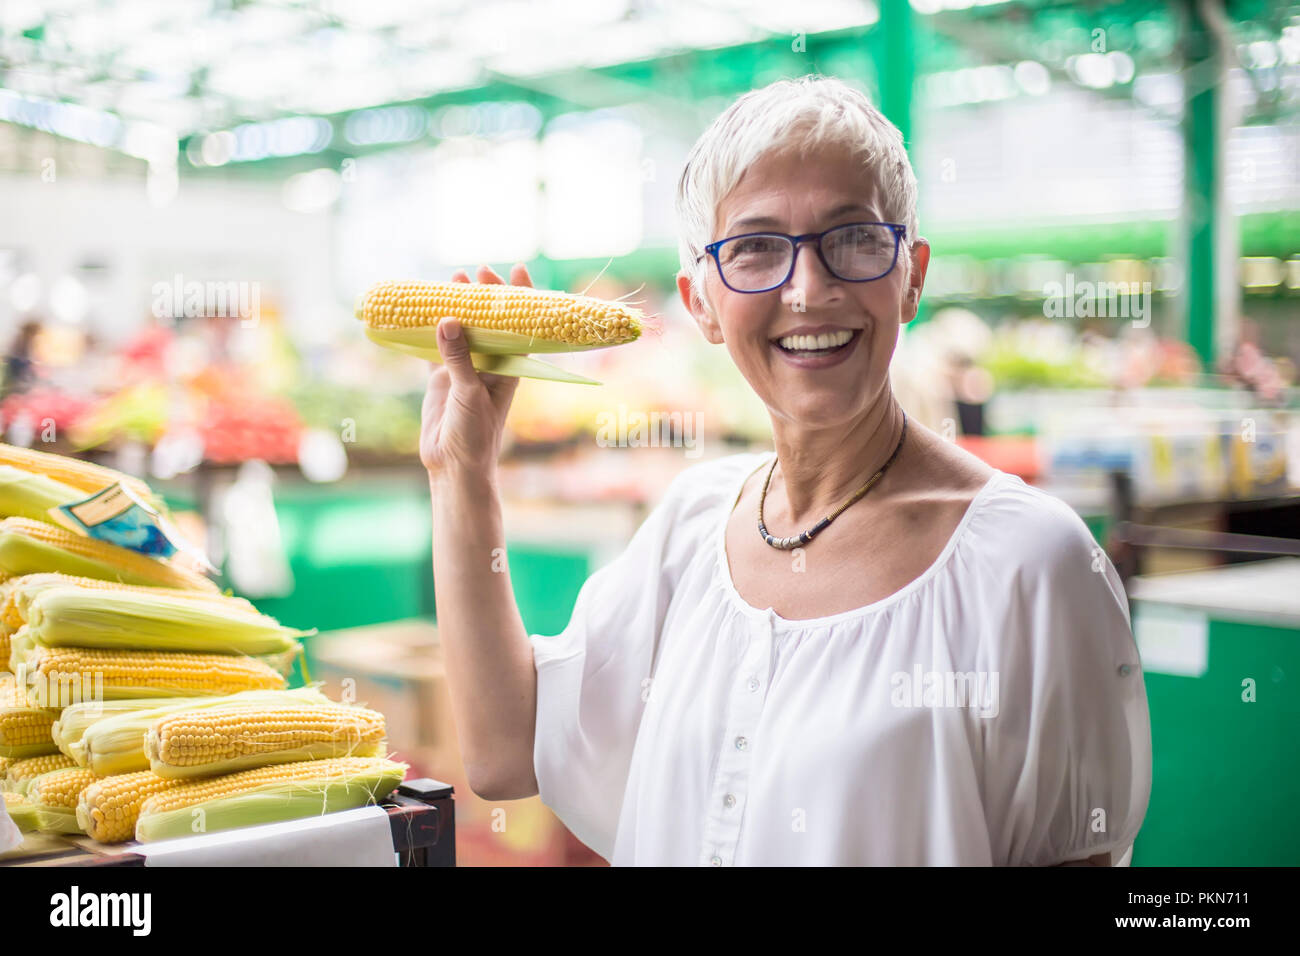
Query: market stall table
point(419, 818)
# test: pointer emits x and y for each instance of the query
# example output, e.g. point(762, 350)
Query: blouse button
point(716, 861)
point(753, 684)
point(729, 801)
point(741, 743)
point(1124, 670)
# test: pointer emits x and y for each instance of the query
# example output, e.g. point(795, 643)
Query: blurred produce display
point(376, 423)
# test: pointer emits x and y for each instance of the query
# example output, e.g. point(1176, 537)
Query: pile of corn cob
point(136, 700)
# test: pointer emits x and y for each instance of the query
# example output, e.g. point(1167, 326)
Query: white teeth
point(810, 343)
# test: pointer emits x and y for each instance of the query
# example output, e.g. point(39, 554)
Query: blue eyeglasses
point(763, 261)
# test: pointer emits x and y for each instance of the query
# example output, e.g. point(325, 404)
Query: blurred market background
point(193, 192)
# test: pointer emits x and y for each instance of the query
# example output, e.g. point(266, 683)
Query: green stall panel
point(1221, 654)
point(546, 582)
point(360, 553)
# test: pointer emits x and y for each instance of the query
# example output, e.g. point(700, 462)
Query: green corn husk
point(27, 588)
point(126, 620)
point(27, 495)
point(21, 811)
point(61, 677)
point(21, 646)
point(116, 744)
point(57, 820)
point(486, 357)
point(24, 751)
point(255, 797)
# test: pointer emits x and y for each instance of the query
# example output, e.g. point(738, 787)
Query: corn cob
point(107, 809)
point(28, 547)
point(26, 495)
point(85, 477)
point(17, 594)
point(24, 729)
point(501, 323)
point(23, 772)
point(5, 764)
point(221, 741)
point(61, 676)
point(115, 743)
point(267, 795)
point(73, 722)
point(90, 617)
point(21, 810)
point(55, 796)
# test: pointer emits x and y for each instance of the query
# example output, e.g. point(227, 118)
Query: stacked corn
point(137, 677)
point(133, 676)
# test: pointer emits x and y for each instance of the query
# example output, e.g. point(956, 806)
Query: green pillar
point(1201, 171)
point(896, 64)
point(896, 74)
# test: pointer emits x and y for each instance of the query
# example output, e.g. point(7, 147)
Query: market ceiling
point(222, 81)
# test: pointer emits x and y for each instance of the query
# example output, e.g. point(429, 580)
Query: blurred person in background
point(867, 649)
point(20, 366)
point(1248, 366)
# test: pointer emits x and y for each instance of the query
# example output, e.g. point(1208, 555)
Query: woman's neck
point(818, 470)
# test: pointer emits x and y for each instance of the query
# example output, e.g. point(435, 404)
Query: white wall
point(208, 232)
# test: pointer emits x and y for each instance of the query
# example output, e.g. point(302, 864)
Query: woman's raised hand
point(464, 414)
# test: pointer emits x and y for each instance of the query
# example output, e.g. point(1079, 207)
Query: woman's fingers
point(519, 275)
point(488, 276)
point(455, 353)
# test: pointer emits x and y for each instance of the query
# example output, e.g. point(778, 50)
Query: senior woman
point(866, 648)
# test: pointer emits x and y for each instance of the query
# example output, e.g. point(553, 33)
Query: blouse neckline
point(724, 565)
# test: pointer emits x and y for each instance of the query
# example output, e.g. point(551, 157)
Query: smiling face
point(826, 365)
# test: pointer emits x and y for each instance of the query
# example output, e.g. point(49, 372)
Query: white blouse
point(991, 712)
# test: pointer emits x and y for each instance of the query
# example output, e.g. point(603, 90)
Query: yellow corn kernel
point(218, 741)
point(22, 772)
point(82, 475)
point(25, 730)
point(107, 809)
point(61, 788)
point(61, 676)
point(28, 547)
point(573, 321)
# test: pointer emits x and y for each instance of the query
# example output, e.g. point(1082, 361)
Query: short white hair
point(801, 114)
